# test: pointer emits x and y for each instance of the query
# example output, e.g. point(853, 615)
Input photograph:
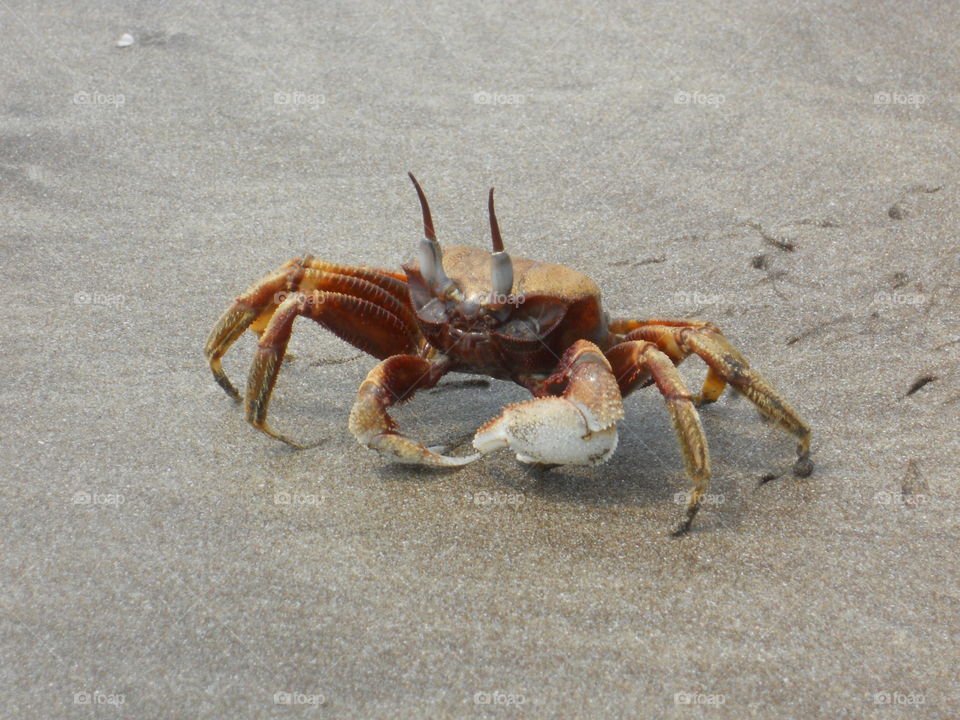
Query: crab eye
point(428, 262)
point(431, 256)
point(501, 266)
point(501, 273)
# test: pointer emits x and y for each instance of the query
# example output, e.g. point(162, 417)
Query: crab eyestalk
point(501, 266)
point(431, 255)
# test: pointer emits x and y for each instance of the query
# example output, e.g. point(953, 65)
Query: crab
point(539, 325)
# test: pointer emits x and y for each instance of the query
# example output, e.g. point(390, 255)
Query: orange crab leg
point(635, 360)
point(362, 323)
point(393, 382)
point(256, 301)
point(393, 282)
point(726, 366)
point(255, 308)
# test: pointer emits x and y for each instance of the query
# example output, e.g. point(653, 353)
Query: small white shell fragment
point(126, 40)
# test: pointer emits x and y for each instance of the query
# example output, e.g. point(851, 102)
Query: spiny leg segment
point(368, 308)
point(635, 360)
point(364, 324)
point(392, 382)
point(726, 365)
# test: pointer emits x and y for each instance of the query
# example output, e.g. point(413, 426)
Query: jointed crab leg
point(725, 365)
point(634, 360)
point(258, 300)
point(368, 326)
point(577, 426)
point(392, 382)
point(256, 306)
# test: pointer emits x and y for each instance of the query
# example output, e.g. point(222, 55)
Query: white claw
point(549, 430)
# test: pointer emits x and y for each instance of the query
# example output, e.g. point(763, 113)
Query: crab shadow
point(646, 471)
point(750, 460)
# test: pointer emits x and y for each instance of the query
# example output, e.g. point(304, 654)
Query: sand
point(786, 170)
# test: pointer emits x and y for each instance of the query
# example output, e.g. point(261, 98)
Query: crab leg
point(370, 327)
point(256, 306)
point(727, 366)
point(577, 427)
point(635, 360)
point(258, 300)
point(392, 382)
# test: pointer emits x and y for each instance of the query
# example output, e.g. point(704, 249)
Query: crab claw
point(553, 431)
point(577, 428)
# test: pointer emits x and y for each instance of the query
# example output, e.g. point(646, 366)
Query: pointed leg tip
point(803, 467)
point(293, 443)
point(230, 390)
point(267, 430)
point(684, 527)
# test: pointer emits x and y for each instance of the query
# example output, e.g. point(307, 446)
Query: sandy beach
point(787, 171)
